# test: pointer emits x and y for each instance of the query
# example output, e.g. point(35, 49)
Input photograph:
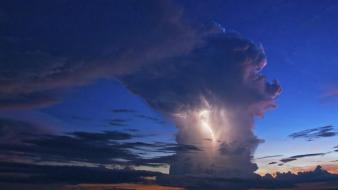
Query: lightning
point(204, 117)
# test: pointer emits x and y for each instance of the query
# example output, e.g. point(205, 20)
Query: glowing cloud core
point(204, 116)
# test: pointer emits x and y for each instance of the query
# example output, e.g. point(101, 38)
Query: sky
point(159, 94)
point(300, 43)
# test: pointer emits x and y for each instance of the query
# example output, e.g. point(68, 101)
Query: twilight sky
point(156, 94)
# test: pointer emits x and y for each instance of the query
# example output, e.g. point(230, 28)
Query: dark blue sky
point(50, 76)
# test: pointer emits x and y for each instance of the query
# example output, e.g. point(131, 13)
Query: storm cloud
point(219, 83)
point(203, 78)
point(223, 73)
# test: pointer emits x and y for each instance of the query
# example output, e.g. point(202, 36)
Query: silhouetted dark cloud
point(282, 180)
point(63, 174)
point(308, 155)
point(87, 157)
point(311, 134)
point(293, 158)
point(318, 174)
point(272, 156)
point(49, 174)
point(284, 160)
point(23, 141)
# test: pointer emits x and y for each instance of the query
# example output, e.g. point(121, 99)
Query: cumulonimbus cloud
point(204, 79)
point(218, 82)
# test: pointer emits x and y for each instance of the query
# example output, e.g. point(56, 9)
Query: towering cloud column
point(212, 94)
point(205, 80)
point(225, 139)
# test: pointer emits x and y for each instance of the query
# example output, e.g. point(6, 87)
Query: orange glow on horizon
point(122, 186)
point(331, 168)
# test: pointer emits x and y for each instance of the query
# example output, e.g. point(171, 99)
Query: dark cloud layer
point(311, 134)
point(47, 174)
point(293, 158)
point(24, 142)
point(282, 180)
point(272, 156)
point(47, 158)
point(43, 175)
point(49, 46)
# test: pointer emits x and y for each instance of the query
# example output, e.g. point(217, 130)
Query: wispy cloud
point(272, 156)
point(293, 158)
point(24, 141)
point(311, 134)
